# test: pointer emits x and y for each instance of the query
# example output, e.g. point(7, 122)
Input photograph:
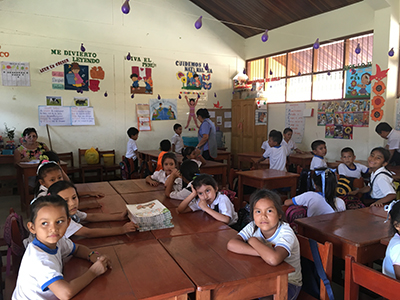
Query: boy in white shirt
point(393, 141)
point(131, 148)
point(288, 142)
point(319, 150)
point(276, 152)
point(177, 141)
point(349, 168)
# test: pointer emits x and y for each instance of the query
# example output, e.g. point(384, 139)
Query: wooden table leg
point(203, 295)
point(281, 287)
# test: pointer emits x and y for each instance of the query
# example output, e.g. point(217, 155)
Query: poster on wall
point(81, 101)
point(339, 132)
point(96, 74)
point(192, 100)
point(15, 73)
point(143, 117)
point(358, 83)
point(54, 100)
point(163, 109)
point(57, 80)
point(346, 112)
point(261, 117)
point(294, 119)
point(142, 82)
point(76, 77)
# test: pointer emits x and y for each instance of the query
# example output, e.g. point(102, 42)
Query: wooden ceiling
point(254, 16)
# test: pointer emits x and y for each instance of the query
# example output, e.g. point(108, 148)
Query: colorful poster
point(142, 82)
point(163, 109)
point(339, 132)
point(15, 73)
point(53, 100)
point(261, 117)
point(143, 117)
point(358, 83)
point(76, 77)
point(346, 112)
point(81, 101)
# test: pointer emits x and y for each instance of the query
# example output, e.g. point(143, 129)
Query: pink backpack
point(295, 212)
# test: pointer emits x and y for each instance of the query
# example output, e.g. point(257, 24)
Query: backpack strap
point(386, 173)
point(320, 268)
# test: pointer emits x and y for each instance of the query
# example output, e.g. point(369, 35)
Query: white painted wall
point(162, 30)
point(380, 16)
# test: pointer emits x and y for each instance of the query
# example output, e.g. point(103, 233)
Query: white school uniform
point(318, 162)
point(283, 237)
point(161, 177)
point(177, 140)
point(130, 149)
point(289, 145)
point(40, 267)
point(199, 163)
point(277, 157)
point(393, 140)
point(42, 191)
point(382, 185)
point(265, 145)
point(317, 205)
point(183, 193)
point(358, 170)
point(392, 256)
point(225, 207)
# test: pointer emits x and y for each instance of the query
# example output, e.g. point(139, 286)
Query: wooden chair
point(134, 171)
point(359, 275)
point(113, 167)
point(89, 168)
point(326, 254)
point(68, 157)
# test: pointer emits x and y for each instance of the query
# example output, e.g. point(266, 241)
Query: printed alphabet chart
point(15, 73)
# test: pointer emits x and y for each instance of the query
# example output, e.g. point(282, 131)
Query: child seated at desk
point(288, 142)
point(349, 168)
point(165, 147)
point(132, 149)
point(276, 152)
point(169, 164)
point(187, 172)
point(40, 274)
point(270, 237)
point(391, 263)
point(319, 150)
point(194, 154)
point(205, 197)
point(323, 200)
point(381, 182)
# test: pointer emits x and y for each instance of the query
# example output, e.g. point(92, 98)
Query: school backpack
point(17, 250)
point(352, 202)
point(295, 212)
point(125, 170)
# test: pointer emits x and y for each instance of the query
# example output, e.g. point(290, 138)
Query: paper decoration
point(65, 115)
point(53, 100)
point(261, 117)
point(82, 116)
point(163, 109)
point(81, 101)
point(339, 132)
point(346, 112)
point(142, 82)
point(379, 88)
point(380, 74)
point(15, 73)
point(57, 81)
point(358, 83)
point(143, 117)
point(55, 65)
point(217, 105)
point(76, 77)
point(294, 119)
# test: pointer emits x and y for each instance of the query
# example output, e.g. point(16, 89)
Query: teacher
point(207, 135)
point(30, 148)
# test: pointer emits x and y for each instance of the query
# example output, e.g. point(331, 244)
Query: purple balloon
point(198, 23)
point(133, 96)
point(159, 97)
point(244, 71)
point(128, 57)
point(180, 97)
point(215, 95)
point(83, 49)
point(358, 49)
point(270, 72)
point(316, 44)
point(264, 37)
point(298, 74)
point(329, 74)
point(125, 7)
point(105, 94)
point(391, 52)
point(206, 67)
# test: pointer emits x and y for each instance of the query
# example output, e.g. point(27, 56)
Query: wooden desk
point(7, 160)
point(270, 179)
point(221, 274)
point(24, 171)
point(141, 270)
point(303, 160)
point(144, 197)
point(352, 232)
point(247, 157)
point(215, 168)
point(100, 187)
point(225, 155)
point(375, 210)
point(134, 186)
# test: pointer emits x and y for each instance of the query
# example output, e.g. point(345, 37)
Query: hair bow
point(44, 162)
point(388, 208)
point(323, 178)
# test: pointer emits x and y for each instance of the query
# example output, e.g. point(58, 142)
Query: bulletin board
point(222, 118)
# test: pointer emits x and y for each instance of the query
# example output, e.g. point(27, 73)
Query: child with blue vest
point(276, 152)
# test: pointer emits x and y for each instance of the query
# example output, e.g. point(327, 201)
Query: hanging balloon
point(198, 96)
point(244, 71)
point(206, 67)
point(83, 49)
point(316, 44)
point(125, 7)
point(133, 96)
point(180, 97)
point(358, 49)
point(299, 73)
point(215, 95)
point(391, 52)
point(264, 37)
point(159, 97)
point(128, 57)
point(329, 74)
point(198, 23)
point(270, 72)
point(105, 94)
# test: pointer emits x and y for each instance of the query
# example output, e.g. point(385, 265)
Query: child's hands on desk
point(101, 265)
point(96, 194)
point(129, 227)
point(153, 182)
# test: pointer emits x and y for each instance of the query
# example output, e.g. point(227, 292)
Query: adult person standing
point(30, 148)
point(207, 135)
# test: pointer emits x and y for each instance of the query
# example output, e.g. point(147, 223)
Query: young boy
point(393, 144)
point(349, 168)
point(380, 186)
point(288, 142)
point(319, 149)
point(276, 152)
point(165, 146)
point(131, 148)
point(177, 141)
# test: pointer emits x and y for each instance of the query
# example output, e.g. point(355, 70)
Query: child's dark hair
point(276, 136)
point(383, 126)
point(347, 150)
point(170, 155)
point(51, 156)
point(204, 179)
point(132, 131)
point(287, 129)
point(43, 169)
point(394, 218)
point(188, 170)
point(60, 186)
point(43, 201)
point(270, 195)
point(330, 184)
point(165, 145)
point(176, 126)
point(385, 152)
point(187, 151)
point(316, 143)
point(203, 112)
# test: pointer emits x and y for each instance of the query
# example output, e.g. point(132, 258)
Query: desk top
point(265, 174)
point(134, 186)
point(101, 187)
point(143, 197)
point(302, 155)
point(375, 210)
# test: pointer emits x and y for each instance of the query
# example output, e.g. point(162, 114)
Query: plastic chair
point(110, 167)
point(89, 168)
point(359, 275)
point(68, 157)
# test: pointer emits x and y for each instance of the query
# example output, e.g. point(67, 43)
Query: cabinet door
point(237, 129)
point(248, 114)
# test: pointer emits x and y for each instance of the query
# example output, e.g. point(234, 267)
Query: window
point(310, 74)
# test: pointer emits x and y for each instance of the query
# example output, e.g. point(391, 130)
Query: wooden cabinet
point(246, 136)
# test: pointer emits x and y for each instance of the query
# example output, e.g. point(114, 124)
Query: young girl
point(169, 163)
point(391, 263)
point(48, 172)
point(269, 237)
point(187, 172)
point(205, 197)
point(67, 191)
point(323, 200)
point(40, 274)
point(194, 154)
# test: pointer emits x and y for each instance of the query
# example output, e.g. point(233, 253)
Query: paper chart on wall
point(65, 115)
point(82, 115)
point(143, 117)
point(295, 120)
point(15, 73)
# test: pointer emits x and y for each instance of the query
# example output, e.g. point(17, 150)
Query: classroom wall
point(162, 30)
point(379, 16)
